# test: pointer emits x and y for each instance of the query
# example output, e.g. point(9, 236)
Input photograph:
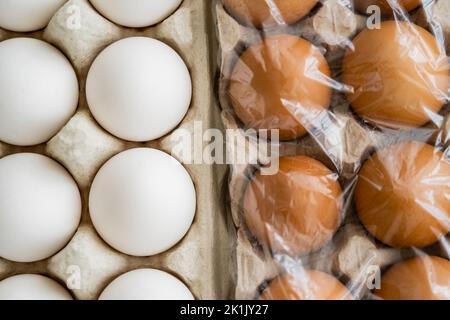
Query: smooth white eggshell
point(27, 15)
point(40, 207)
point(139, 89)
point(38, 91)
point(142, 202)
point(32, 287)
point(136, 13)
point(146, 284)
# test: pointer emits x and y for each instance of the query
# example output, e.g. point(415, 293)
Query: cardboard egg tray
point(87, 264)
point(342, 142)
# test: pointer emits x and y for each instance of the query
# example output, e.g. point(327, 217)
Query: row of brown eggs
point(396, 76)
point(265, 14)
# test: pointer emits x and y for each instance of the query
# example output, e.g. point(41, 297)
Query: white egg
point(136, 13)
point(142, 202)
point(146, 284)
point(27, 15)
point(32, 287)
point(40, 207)
point(38, 91)
point(139, 89)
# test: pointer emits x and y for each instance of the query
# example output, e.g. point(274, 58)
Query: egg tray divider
point(202, 258)
point(343, 143)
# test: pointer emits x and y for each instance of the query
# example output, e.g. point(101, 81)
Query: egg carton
point(343, 142)
point(202, 258)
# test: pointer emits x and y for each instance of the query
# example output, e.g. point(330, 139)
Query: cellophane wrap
point(356, 94)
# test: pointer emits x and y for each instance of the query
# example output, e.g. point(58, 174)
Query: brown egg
point(308, 285)
point(386, 8)
point(280, 83)
point(399, 75)
point(421, 278)
point(295, 211)
point(402, 195)
point(260, 14)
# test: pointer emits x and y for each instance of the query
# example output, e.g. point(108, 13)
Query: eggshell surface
point(398, 74)
point(139, 89)
point(27, 15)
point(146, 284)
point(420, 278)
point(40, 207)
point(32, 287)
point(386, 7)
point(142, 202)
point(295, 211)
point(136, 13)
point(306, 285)
point(280, 83)
point(39, 91)
point(402, 195)
point(269, 13)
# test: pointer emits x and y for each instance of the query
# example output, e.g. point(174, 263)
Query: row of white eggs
point(32, 15)
point(138, 89)
point(141, 284)
point(142, 202)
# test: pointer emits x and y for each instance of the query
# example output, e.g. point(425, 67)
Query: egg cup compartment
point(343, 143)
point(87, 264)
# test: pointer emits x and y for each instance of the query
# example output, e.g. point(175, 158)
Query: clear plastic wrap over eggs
point(354, 98)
